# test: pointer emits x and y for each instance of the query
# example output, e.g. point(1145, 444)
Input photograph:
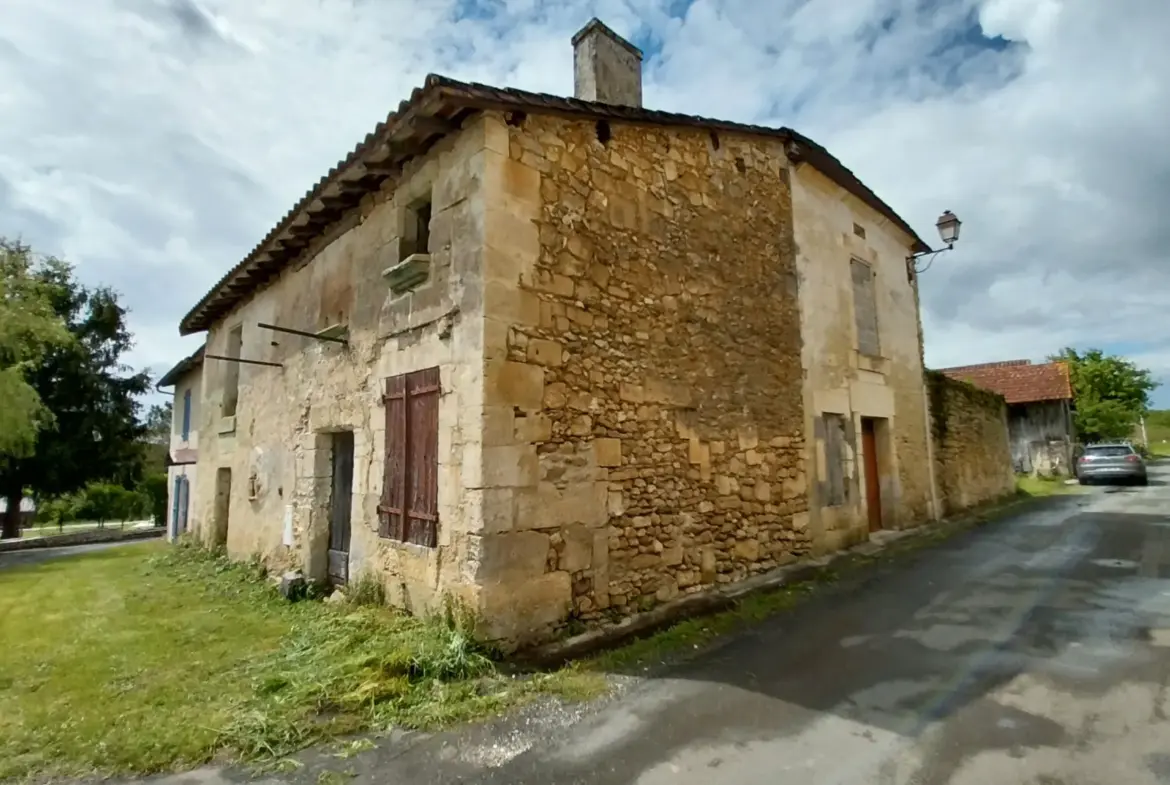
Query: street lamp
point(948, 231)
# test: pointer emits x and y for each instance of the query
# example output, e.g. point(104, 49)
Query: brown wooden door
point(340, 502)
point(873, 488)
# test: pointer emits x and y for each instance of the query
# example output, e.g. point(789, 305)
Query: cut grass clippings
point(150, 658)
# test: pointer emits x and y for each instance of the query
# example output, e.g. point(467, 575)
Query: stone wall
point(973, 462)
point(644, 419)
point(277, 446)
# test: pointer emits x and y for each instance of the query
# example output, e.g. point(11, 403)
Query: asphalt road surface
point(36, 555)
point(1035, 651)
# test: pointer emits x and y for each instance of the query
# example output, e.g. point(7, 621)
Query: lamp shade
point(948, 227)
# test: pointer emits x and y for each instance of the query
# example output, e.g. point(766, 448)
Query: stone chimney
point(606, 67)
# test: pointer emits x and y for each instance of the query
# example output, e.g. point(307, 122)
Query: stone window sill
point(874, 363)
point(408, 274)
point(227, 425)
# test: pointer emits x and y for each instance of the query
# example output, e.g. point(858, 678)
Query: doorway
point(180, 493)
point(223, 500)
point(873, 481)
point(340, 502)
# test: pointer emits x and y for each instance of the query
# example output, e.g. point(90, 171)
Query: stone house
point(1040, 411)
point(183, 452)
point(564, 358)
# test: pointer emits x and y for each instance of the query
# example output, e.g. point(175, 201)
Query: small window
point(418, 229)
point(865, 308)
point(409, 509)
point(186, 434)
point(859, 230)
point(835, 488)
point(231, 381)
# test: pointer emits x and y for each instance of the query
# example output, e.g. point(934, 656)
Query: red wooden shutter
point(422, 485)
point(392, 519)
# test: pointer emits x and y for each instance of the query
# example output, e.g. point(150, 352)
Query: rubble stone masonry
point(972, 453)
point(643, 383)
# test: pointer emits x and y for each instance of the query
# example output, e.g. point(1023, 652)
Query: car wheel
point(1143, 481)
point(1082, 481)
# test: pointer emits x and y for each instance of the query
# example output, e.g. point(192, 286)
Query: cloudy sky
point(154, 142)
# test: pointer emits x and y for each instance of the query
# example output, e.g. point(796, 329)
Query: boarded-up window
point(834, 494)
point(865, 309)
point(409, 511)
point(231, 371)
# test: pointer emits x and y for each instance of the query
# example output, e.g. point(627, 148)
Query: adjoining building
point(1040, 411)
point(183, 451)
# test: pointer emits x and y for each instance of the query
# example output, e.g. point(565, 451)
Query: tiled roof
point(171, 377)
point(434, 110)
point(1018, 381)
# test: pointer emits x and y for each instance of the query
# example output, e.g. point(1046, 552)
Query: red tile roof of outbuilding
point(1018, 381)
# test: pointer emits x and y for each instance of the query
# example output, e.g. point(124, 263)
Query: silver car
point(1111, 463)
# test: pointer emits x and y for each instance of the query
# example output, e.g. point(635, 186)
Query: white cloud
point(154, 142)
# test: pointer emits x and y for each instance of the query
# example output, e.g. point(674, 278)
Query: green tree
point(29, 328)
point(87, 389)
point(60, 510)
point(154, 486)
point(103, 501)
point(158, 424)
point(1110, 393)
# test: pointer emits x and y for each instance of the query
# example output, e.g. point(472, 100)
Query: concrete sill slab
point(227, 425)
point(408, 274)
point(339, 331)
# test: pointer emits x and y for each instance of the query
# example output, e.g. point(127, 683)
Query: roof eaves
point(397, 139)
point(187, 364)
point(370, 162)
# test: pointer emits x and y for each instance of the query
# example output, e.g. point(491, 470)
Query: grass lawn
point(148, 658)
point(1028, 485)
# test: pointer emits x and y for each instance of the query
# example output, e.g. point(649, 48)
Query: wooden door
point(340, 501)
point(873, 488)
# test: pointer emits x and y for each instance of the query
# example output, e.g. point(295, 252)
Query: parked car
point(1111, 463)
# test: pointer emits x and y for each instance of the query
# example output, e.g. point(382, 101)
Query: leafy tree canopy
point(85, 387)
point(29, 328)
point(158, 424)
point(1110, 393)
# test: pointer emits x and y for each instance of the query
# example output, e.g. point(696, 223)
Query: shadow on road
point(1070, 597)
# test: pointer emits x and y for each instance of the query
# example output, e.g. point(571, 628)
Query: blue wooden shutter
point(175, 505)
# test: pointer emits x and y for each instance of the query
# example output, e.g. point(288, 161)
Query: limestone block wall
point(971, 447)
point(833, 228)
point(643, 424)
point(277, 446)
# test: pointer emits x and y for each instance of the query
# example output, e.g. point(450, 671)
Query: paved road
point(1032, 652)
point(35, 555)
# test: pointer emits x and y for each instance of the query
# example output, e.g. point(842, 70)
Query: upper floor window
point(186, 432)
point(865, 312)
point(418, 228)
point(231, 382)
